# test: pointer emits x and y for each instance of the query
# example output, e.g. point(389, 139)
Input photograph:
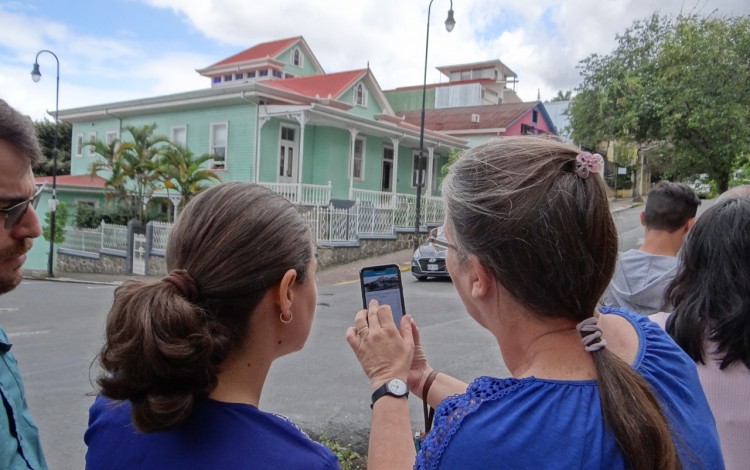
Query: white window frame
point(212, 144)
point(414, 157)
point(111, 136)
point(360, 86)
point(301, 59)
point(361, 177)
point(174, 129)
point(79, 145)
point(92, 138)
point(94, 202)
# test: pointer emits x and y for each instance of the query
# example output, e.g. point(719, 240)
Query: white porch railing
point(375, 198)
point(304, 194)
point(405, 210)
point(403, 205)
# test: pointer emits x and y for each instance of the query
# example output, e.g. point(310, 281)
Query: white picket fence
point(373, 214)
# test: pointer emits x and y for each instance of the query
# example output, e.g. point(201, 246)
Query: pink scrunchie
point(587, 163)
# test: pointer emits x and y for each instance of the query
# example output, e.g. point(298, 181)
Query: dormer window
point(360, 95)
point(297, 57)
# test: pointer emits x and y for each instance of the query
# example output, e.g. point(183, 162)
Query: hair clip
point(588, 163)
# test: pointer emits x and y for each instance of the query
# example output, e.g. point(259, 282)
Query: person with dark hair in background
point(531, 247)
point(186, 358)
point(642, 275)
point(710, 318)
point(19, 153)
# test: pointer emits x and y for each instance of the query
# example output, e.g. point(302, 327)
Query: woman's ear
point(285, 295)
point(482, 280)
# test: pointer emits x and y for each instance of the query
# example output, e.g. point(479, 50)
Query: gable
point(279, 53)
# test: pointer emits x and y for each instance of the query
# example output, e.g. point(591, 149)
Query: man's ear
point(482, 280)
point(285, 294)
point(689, 224)
point(643, 218)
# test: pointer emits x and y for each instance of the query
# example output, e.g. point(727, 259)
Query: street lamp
point(36, 75)
point(449, 24)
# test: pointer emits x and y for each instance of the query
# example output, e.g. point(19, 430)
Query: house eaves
point(387, 128)
point(199, 99)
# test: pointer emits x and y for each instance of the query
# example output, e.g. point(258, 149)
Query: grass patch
point(348, 458)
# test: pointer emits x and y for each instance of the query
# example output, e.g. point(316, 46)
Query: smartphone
point(383, 283)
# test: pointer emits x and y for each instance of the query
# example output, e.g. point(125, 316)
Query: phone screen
point(383, 283)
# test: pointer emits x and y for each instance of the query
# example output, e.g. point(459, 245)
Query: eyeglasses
point(15, 213)
point(433, 238)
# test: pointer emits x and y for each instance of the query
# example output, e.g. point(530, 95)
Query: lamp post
point(36, 75)
point(449, 24)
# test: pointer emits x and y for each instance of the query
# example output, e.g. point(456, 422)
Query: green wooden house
point(273, 116)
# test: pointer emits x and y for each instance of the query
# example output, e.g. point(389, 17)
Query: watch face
point(397, 387)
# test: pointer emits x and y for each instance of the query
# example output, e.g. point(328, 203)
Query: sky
point(115, 50)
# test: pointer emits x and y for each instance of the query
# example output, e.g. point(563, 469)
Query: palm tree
point(108, 164)
point(181, 170)
point(563, 95)
point(131, 166)
point(139, 163)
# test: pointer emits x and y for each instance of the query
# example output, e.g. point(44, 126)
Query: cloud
point(541, 41)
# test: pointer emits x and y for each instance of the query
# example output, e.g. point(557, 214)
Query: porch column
point(302, 119)
point(262, 120)
point(176, 200)
point(430, 169)
point(394, 174)
point(353, 132)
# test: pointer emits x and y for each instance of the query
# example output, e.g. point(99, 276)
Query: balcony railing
point(303, 194)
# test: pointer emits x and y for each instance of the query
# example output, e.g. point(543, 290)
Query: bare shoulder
point(622, 339)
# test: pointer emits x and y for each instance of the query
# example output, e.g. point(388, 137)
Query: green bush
point(348, 458)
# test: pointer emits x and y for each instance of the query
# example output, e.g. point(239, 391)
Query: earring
point(281, 317)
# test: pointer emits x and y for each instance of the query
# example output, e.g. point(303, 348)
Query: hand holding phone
point(383, 283)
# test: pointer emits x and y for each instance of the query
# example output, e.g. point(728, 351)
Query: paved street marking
point(27, 333)
point(8, 309)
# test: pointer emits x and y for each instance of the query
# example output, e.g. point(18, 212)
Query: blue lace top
point(535, 423)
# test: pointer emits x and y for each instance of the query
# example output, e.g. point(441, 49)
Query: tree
point(45, 131)
point(181, 170)
point(672, 83)
point(131, 166)
point(563, 95)
point(61, 221)
point(114, 177)
point(617, 100)
point(705, 72)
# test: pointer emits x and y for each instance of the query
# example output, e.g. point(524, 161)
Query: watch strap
point(383, 390)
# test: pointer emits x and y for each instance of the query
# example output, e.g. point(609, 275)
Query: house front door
point(288, 155)
point(387, 178)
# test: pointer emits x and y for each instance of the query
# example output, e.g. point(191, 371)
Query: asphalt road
point(56, 330)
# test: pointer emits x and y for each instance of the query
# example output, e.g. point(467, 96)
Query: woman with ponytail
point(531, 248)
point(185, 358)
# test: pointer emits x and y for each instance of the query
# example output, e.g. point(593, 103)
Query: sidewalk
point(333, 275)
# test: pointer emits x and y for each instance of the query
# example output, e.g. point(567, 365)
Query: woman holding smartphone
point(531, 248)
point(186, 357)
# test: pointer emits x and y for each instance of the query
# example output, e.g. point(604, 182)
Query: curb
point(72, 281)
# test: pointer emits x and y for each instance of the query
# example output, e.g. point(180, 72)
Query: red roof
point(322, 86)
point(74, 180)
point(457, 119)
point(260, 51)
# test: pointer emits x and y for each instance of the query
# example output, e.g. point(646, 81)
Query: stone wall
point(332, 255)
point(328, 255)
point(157, 265)
point(102, 263)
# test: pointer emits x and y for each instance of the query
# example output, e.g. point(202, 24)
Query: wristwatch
point(394, 387)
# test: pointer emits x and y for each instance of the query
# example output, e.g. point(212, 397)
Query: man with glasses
point(19, 152)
